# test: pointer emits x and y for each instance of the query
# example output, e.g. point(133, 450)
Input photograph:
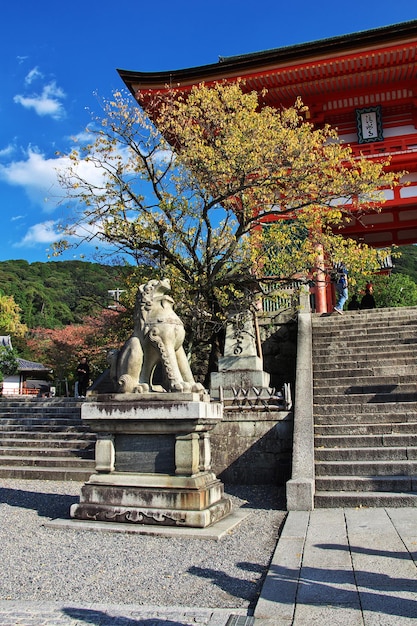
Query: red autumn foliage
point(61, 348)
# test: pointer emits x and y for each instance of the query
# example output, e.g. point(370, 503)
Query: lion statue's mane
point(157, 337)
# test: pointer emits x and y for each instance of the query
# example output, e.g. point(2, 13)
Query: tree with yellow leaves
point(214, 190)
point(10, 323)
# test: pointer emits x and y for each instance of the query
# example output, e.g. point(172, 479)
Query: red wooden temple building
point(364, 84)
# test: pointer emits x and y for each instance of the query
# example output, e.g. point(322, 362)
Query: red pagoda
point(363, 84)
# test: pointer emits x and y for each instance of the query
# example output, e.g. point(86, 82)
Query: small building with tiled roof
point(30, 379)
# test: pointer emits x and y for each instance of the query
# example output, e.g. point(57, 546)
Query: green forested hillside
point(57, 293)
point(407, 262)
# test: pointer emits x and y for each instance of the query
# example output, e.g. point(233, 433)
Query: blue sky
point(56, 55)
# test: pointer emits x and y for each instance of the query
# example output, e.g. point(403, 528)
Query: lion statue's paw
point(126, 384)
point(186, 387)
point(197, 388)
point(180, 386)
point(142, 388)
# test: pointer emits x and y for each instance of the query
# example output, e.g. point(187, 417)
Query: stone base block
point(196, 502)
point(215, 532)
point(246, 379)
point(142, 515)
point(300, 494)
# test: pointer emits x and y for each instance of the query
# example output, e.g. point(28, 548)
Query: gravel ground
point(51, 565)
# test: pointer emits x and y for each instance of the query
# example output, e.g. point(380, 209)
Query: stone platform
point(153, 461)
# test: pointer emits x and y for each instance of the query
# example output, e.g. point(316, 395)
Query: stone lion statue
point(157, 337)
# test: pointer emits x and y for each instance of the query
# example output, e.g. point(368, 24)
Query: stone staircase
point(365, 408)
point(44, 438)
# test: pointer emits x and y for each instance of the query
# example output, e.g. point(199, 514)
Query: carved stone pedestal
point(241, 381)
point(153, 461)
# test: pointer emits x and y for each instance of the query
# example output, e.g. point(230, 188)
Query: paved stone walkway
point(347, 567)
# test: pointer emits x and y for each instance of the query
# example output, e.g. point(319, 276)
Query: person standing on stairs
point(341, 288)
point(354, 304)
point(368, 301)
point(83, 376)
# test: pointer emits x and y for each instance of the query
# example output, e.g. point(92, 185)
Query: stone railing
point(301, 487)
point(285, 297)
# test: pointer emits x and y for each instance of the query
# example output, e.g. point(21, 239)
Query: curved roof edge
point(360, 37)
point(227, 65)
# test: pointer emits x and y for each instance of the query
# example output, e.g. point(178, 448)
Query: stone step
point(41, 435)
point(363, 419)
point(22, 451)
point(396, 396)
point(358, 354)
point(376, 454)
point(40, 421)
point(362, 340)
point(367, 483)
point(339, 499)
point(45, 428)
point(371, 383)
point(362, 344)
point(50, 461)
point(33, 407)
point(367, 428)
point(404, 333)
point(348, 362)
point(33, 404)
point(334, 389)
point(46, 473)
point(40, 417)
point(363, 441)
point(45, 439)
point(388, 314)
point(53, 401)
point(341, 329)
point(367, 468)
point(364, 347)
point(365, 408)
point(52, 442)
point(354, 330)
point(342, 368)
point(328, 372)
point(337, 327)
point(371, 412)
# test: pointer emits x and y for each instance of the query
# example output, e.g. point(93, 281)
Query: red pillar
point(321, 283)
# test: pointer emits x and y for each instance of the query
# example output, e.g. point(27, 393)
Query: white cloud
point(83, 138)
point(50, 231)
point(38, 176)
point(43, 233)
point(7, 151)
point(46, 103)
point(34, 74)
point(15, 218)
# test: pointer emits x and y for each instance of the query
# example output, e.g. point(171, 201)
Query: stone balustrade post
point(105, 453)
point(187, 454)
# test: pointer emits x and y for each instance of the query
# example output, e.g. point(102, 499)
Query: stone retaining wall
point(253, 447)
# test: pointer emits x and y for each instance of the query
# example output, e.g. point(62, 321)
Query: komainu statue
point(157, 337)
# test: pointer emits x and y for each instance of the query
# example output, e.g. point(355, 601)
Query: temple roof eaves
point(363, 37)
point(246, 63)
